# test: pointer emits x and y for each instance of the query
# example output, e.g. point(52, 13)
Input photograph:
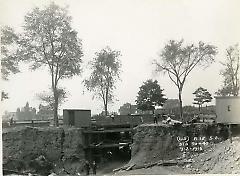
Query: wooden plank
point(130, 167)
point(108, 131)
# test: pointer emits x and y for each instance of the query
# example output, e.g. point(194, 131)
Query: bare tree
point(231, 73)
point(49, 40)
point(178, 61)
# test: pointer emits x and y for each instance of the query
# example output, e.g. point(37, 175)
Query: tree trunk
point(105, 109)
point(180, 101)
point(55, 108)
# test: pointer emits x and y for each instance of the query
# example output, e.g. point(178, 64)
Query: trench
point(109, 148)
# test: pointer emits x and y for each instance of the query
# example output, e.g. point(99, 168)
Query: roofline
point(227, 97)
point(76, 110)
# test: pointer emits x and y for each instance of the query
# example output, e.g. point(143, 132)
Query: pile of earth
point(221, 158)
point(217, 158)
point(153, 143)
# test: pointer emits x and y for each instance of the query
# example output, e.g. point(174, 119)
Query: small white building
point(228, 109)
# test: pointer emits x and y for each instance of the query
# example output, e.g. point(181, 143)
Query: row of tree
point(178, 60)
point(151, 96)
point(49, 40)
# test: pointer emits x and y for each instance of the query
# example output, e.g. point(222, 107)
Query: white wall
point(228, 110)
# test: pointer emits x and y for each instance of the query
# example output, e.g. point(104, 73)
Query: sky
point(139, 29)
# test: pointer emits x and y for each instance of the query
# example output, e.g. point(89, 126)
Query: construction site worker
point(11, 121)
point(94, 168)
point(87, 167)
point(155, 118)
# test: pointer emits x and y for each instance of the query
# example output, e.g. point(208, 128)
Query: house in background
point(30, 113)
point(171, 105)
point(44, 113)
point(26, 113)
point(128, 108)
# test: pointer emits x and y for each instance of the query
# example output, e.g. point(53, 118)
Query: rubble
point(221, 159)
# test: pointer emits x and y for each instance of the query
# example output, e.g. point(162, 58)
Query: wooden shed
point(228, 109)
point(77, 117)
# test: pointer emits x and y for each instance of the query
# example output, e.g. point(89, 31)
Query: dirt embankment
point(221, 158)
point(152, 143)
point(43, 150)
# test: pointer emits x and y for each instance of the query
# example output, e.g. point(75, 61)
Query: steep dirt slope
point(221, 158)
point(153, 143)
point(43, 149)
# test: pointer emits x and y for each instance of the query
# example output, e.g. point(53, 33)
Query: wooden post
point(230, 132)
point(131, 127)
point(162, 151)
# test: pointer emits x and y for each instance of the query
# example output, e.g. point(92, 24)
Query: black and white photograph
point(120, 87)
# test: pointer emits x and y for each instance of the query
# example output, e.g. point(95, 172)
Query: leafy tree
point(49, 40)
point(4, 95)
point(9, 62)
point(201, 96)
point(105, 73)
point(231, 72)
point(149, 96)
point(48, 98)
point(178, 61)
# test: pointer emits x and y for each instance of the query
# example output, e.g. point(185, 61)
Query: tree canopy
point(231, 73)
point(9, 61)
point(178, 60)
point(49, 40)
point(150, 95)
point(106, 69)
point(201, 96)
point(47, 98)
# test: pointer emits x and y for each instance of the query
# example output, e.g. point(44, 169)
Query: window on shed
point(229, 108)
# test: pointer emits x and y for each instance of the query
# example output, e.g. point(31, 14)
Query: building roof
point(76, 109)
point(227, 97)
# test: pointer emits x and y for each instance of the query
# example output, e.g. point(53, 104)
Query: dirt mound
point(152, 143)
point(221, 158)
point(155, 143)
